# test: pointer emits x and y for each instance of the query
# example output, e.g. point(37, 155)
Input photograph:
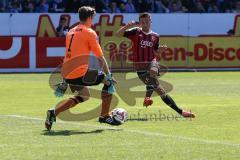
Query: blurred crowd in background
point(121, 6)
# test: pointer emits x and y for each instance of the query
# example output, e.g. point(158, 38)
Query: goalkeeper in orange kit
point(81, 41)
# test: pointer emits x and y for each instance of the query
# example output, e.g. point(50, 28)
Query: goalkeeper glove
point(111, 87)
point(61, 89)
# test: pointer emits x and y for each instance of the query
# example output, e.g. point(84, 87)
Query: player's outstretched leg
point(167, 99)
point(153, 79)
point(170, 102)
point(63, 106)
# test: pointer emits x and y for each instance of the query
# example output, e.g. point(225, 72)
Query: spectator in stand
point(212, 8)
point(141, 6)
point(206, 3)
point(237, 7)
point(63, 27)
point(130, 7)
point(113, 8)
point(150, 6)
point(15, 6)
point(165, 2)
point(104, 6)
point(122, 8)
point(184, 9)
point(2, 5)
point(58, 6)
point(188, 5)
point(28, 6)
point(100, 6)
point(42, 6)
point(160, 7)
point(198, 8)
point(107, 2)
point(227, 6)
point(175, 7)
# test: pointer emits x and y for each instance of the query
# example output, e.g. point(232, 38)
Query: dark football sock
point(170, 102)
point(149, 90)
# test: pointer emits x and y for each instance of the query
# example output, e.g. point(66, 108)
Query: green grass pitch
point(213, 135)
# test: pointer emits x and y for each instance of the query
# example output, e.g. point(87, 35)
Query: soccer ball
point(120, 115)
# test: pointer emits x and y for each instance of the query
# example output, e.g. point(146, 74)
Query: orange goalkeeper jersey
point(80, 42)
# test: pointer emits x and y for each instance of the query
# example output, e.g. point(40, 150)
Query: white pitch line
point(58, 121)
point(135, 131)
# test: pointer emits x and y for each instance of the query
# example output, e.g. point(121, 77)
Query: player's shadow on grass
point(72, 132)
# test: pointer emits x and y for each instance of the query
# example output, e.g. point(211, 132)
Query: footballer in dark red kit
point(143, 45)
point(146, 49)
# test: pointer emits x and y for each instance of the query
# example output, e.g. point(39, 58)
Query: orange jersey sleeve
point(94, 44)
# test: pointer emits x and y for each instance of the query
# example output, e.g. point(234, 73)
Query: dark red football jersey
point(143, 45)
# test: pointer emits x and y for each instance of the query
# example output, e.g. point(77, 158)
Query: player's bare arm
point(129, 25)
point(104, 65)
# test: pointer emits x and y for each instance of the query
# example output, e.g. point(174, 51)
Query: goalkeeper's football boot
point(109, 120)
point(188, 114)
point(51, 117)
point(147, 101)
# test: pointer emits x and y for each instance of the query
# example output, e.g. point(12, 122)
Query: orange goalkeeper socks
point(65, 105)
point(106, 102)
